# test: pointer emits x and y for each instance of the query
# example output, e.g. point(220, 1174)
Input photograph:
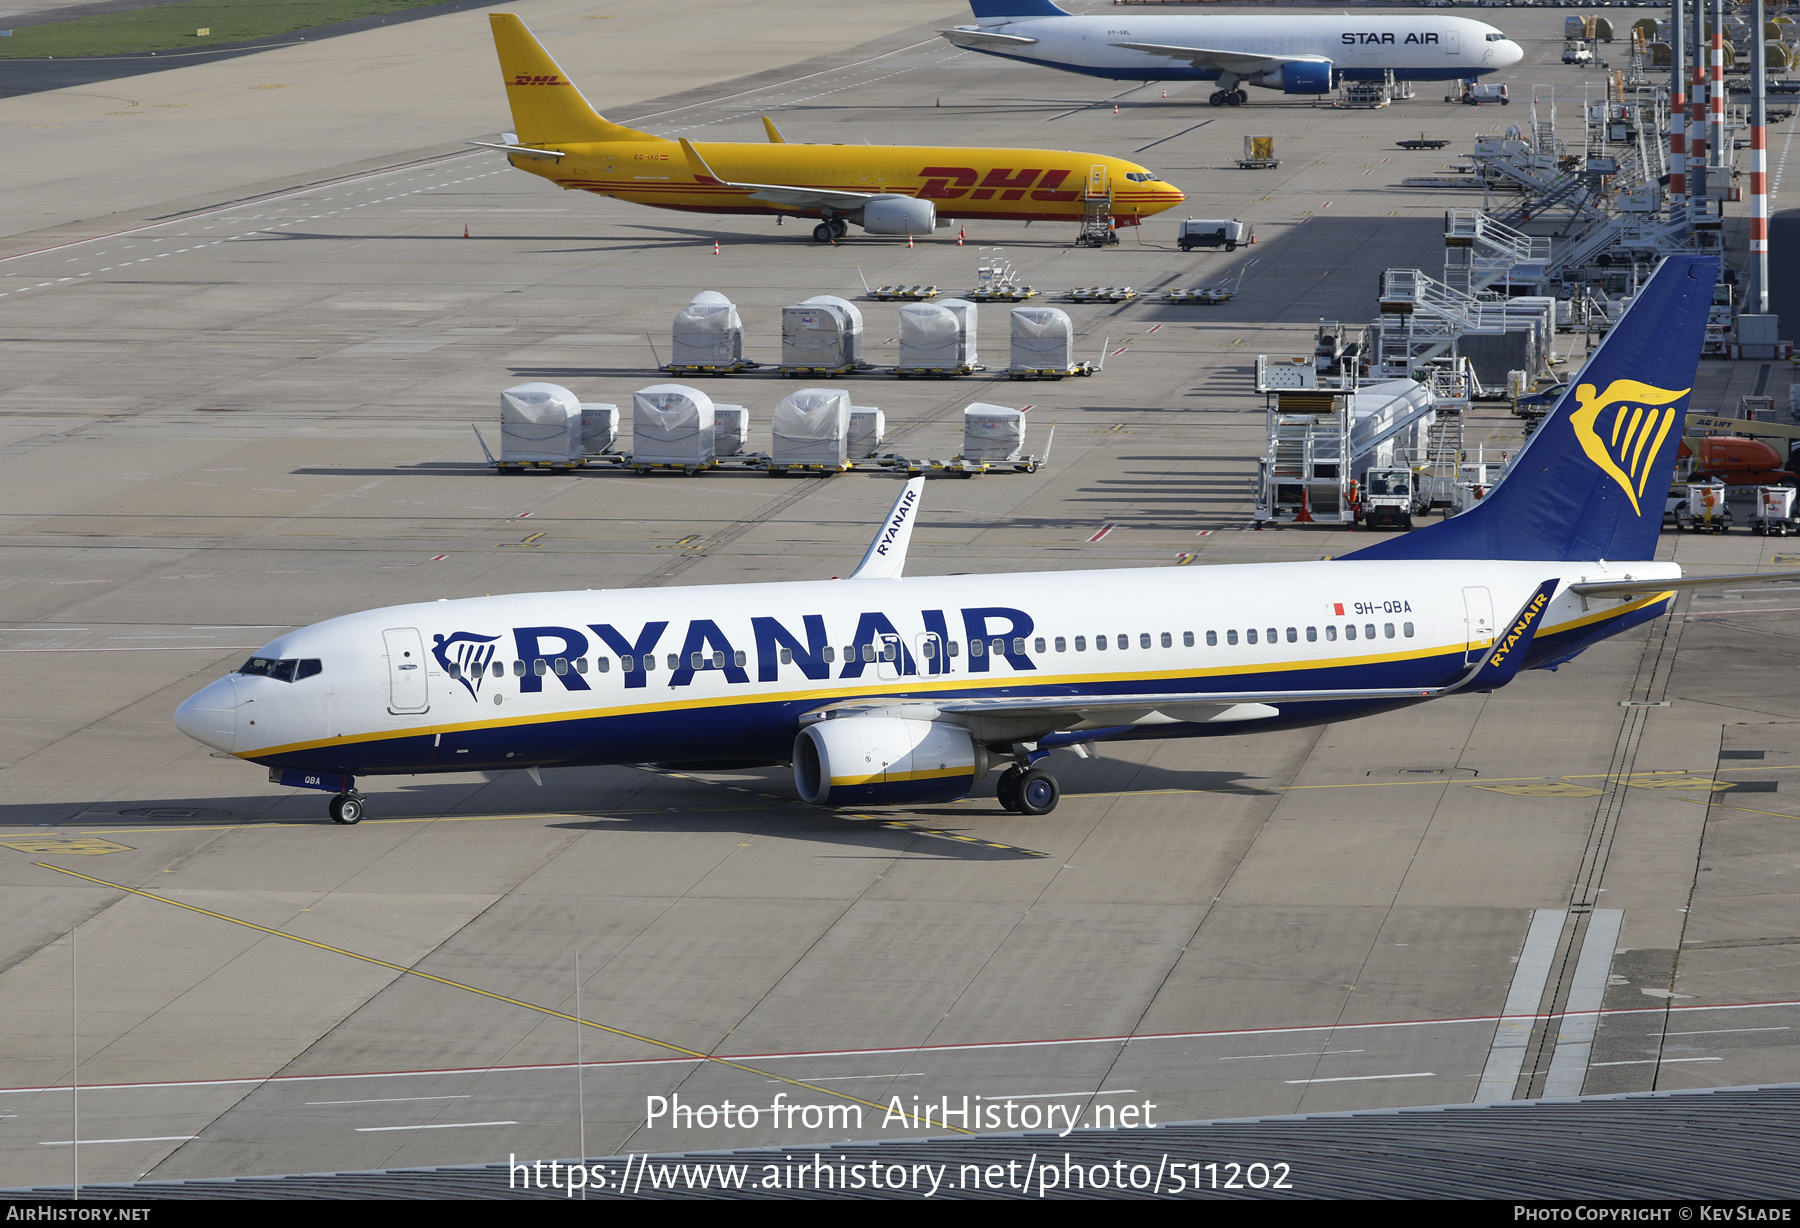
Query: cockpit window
point(1142, 177)
point(1496, 37)
point(289, 669)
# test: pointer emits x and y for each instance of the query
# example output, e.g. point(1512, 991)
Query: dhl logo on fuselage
point(956, 182)
point(1626, 448)
point(528, 79)
point(1521, 629)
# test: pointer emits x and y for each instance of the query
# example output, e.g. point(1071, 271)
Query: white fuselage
point(1362, 46)
point(730, 672)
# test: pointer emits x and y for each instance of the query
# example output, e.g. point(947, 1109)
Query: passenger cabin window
point(977, 647)
point(1349, 631)
point(1062, 645)
point(1369, 631)
point(1168, 641)
point(1212, 639)
point(1331, 634)
point(1387, 630)
point(1250, 636)
point(1293, 636)
point(1038, 644)
point(604, 664)
point(1408, 629)
point(1124, 642)
point(1312, 635)
point(1100, 643)
point(1231, 637)
point(1081, 643)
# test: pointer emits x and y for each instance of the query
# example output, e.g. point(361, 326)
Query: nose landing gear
point(346, 808)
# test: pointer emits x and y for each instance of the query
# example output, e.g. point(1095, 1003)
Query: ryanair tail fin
point(547, 108)
point(1591, 482)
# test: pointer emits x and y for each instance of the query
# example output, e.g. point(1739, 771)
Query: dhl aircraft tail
point(547, 109)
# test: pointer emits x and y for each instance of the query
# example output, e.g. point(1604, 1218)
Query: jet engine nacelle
point(872, 760)
point(1299, 77)
point(899, 215)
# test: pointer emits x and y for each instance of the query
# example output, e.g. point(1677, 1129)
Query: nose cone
point(1510, 53)
point(1167, 197)
point(209, 716)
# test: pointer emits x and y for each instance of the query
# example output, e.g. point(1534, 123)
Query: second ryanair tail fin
point(547, 108)
point(1591, 482)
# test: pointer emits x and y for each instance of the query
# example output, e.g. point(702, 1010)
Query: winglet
point(775, 137)
point(1511, 646)
point(697, 166)
point(886, 555)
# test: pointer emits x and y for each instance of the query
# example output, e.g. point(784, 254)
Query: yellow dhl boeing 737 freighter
point(885, 189)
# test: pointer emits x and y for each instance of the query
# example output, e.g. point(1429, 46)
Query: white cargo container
point(599, 427)
point(868, 427)
point(671, 425)
point(992, 433)
point(539, 424)
point(810, 427)
point(1043, 339)
point(731, 429)
point(709, 336)
point(938, 337)
point(823, 334)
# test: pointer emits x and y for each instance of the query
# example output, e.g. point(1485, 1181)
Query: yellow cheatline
point(485, 993)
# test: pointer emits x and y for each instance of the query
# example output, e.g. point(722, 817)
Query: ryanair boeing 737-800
point(885, 189)
point(879, 689)
point(1303, 54)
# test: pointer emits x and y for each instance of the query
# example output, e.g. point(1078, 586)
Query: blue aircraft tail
point(1591, 482)
point(988, 9)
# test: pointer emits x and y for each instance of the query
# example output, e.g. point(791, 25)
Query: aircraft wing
point(791, 195)
point(1024, 717)
point(1238, 63)
point(986, 40)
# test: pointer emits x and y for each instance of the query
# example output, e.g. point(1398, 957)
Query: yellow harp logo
point(1637, 418)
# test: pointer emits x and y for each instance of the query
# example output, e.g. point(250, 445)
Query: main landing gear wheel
point(1038, 792)
point(839, 227)
point(1218, 98)
point(1006, 789)
point(346, 808)
point(1236, 98)
point(822, 233)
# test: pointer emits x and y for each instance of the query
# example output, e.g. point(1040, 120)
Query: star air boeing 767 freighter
point(885, 189)
point(879, 689)
point(1294, 53)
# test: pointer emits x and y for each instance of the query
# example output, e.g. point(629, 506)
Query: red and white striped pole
point(1721, 153)
point(1677, 108)
point(1696, 149)
point(1759, 166)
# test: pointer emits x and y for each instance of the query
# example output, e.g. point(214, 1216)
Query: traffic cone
point(1115, 108)
point(962, 232)
point(909, 242)
point(959, 239)
point(1304, 515)
point(465, 230)
point(715, 247)
point(1165, 93)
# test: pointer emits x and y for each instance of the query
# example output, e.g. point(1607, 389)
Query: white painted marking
point(1423, 1074)
point(1658, 1061)
point(1245, 1057)
point(91, 1142)
point(917, 1074)
point(449, 1125)
point(389, 1100)
point(1117, 1091)
point(1718, 1031)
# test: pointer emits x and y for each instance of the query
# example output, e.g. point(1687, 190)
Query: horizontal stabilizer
point(523, 151)
point(1631, 588)
point(986, 40)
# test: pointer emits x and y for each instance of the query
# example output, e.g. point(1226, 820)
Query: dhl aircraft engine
point(872, 760)
point(885, 189)
point(898, 215)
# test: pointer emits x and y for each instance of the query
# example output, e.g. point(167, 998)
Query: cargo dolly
point(1101, 294)
point(1423, 142)
point(915, 293)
